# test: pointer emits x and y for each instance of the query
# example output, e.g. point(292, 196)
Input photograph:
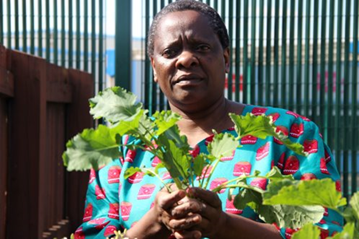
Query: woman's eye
point(168, 53)
point(203, 48)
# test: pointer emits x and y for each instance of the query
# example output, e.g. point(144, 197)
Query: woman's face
point(189, 62)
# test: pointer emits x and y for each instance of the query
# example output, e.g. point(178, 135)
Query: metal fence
point(297, 54)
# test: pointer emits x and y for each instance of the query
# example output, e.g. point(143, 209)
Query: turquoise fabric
point(113, 203)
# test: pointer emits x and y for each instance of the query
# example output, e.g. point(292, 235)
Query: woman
point(189, 51)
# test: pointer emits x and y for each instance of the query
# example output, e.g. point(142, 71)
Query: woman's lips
point(188, 80)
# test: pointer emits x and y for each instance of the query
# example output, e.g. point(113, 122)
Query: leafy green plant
point(281, 203)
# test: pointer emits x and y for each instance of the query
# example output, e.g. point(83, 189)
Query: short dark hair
point(215, 21)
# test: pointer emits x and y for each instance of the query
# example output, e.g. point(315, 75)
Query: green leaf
point(91, 148)
point(199, 162)
point(307, 192)
point(307, 231)
point(222, 145)
point(288, 216)
point(276, 175)
point(131, 171)
point(247, 196)
point(262, 126)
point(165, 120)
point(114, 104)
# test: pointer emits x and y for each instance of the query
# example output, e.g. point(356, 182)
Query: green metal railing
point(61, 31)
point(297, 54)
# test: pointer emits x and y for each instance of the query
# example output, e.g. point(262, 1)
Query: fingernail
point(197, 235)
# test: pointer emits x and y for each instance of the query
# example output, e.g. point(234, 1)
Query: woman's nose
point(187, 59)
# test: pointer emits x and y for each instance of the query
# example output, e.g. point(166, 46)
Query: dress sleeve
point(101, 216)
point(317, 165)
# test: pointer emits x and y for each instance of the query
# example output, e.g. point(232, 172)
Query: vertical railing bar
point(354, 107)
point(39, 31)
point(55, 38)
point(85, 37)
point(17, 17)
point(9, 28)
point(147, 86)
point(215, 5)
point(24, 26)
point(78, 35)
point(93, 42)
point(70, 35)
point(162, 97)
point(331, 138)
point(314, 104)
point(338, 129)
point(268, 53)
point(276, 54)
point(299, 86)
point(307, 59)
point(291, 57)
point(153, 85)
point(100, 51)
point(47, 22)
point(230, 29)
point(238, 51)
point(322, 105)
point(252, 78)
point(32, 27)
point(346, 116)
point(245, 51)
point(260, 53)
point(63, 46)
point(223, 10)
point(284, 57)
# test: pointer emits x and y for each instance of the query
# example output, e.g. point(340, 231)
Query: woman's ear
point(226, 53)
point(154, 70)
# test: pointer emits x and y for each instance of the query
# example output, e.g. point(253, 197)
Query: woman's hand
point(197, 215)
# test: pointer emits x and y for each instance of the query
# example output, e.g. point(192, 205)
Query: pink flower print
point(338, 186)
point(249, 139)
point(125, 210)
point(206, 171)
point(259, 110)
point(289, 232)
point(283, 130)
point(296, 130)
point(113, 211)
point(100, 193)
point(146, 191)
point(262, 151)
point(291, 165)
point(230, 208)
point(195, 151)
point(310, 146)
point(323, 166)
point(79, 234)
point(209, 139)
point(155, 161)
point(217, 182)
point(242, 168)
point(327, 156)
point(281, 161)
point(275, 116)
point(114, 174)
point(260, 183)
point(166, 176)
point(99, 223)
point(292, 113)
point(88, 213)
point(130, 156)
point(325, 212)
point(92, 175)
point(228, 158)
point(136, 178)
point(308, 176)
point(110, 230)
point(304, 118)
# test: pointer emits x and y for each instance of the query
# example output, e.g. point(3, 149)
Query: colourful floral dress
point(114, 203)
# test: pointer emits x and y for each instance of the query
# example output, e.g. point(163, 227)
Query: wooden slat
point(57, 84)
point(6, 78)
point(28, 136)
point(3, 163)
point(78, 119)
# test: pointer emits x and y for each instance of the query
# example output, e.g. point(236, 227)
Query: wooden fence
point(41, 106)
